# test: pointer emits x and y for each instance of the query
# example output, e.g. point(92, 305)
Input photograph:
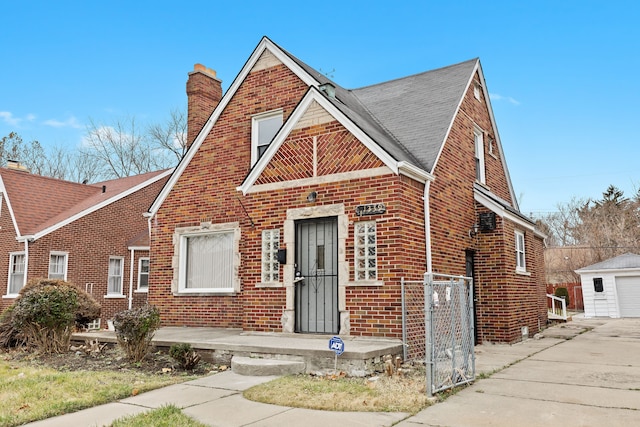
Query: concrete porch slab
point(362, 355)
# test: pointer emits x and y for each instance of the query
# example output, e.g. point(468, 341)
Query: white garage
point(611, 288)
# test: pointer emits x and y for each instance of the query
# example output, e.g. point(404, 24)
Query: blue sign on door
point(337, 345)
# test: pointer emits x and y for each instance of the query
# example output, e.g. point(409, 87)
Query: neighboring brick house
point(351, 190)
point(93, 235)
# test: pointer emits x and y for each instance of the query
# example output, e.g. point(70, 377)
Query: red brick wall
point(505, 301)
point(206, 191)
point(224, 159)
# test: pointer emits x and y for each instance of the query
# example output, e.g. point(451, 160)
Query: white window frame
point(11, 276)
point(111, 275)
point(521, 260)
point(478, 143)
point(476, 91)
point(270, 270)
point(141, 274)
point(181, 238)
point(365, 251)
point(65, 264)
point(255, 132)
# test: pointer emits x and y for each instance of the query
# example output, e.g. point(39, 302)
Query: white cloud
point(497, 97)
point(8, 118)
point(71, 122)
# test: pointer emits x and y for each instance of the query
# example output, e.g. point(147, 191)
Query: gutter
point(427, 225)
point(131, 278)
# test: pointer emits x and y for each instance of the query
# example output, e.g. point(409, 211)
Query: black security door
point(317, 276)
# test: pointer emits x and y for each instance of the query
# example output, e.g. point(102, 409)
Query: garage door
point(628, 296)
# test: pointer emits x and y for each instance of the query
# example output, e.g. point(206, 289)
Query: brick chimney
point(204, 92)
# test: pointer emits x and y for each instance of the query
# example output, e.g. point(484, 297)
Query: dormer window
point(263, 128)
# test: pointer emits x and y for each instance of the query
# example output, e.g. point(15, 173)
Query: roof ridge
point(416, 74)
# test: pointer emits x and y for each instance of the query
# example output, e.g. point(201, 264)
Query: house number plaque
point(371, 209)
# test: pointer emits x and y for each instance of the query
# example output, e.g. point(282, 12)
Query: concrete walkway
point(574, 376)
point(591, 380)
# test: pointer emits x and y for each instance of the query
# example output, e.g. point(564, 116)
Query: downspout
point(427, 225)
point(131, 279)
point(26, 260)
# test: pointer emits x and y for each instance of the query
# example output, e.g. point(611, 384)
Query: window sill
point(205, 294)
point(141, 291)
point(600, 296)
point(366, 283)
point(10, 296)
point(269, 285)
point(114, 296)
point(523, 273)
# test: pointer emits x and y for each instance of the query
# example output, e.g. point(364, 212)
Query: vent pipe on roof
point(328, 89)
point(104, 188)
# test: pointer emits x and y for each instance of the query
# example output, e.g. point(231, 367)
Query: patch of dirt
point(109, 358)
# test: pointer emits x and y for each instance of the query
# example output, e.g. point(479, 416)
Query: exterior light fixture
point(474, 230)
point(312, 197)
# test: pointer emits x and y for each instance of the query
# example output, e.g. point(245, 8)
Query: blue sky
point(562, 74)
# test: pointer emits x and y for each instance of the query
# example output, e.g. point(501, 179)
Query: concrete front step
point(264, 367)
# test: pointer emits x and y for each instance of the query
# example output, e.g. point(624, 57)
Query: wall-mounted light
point(312, 197)
point(474, 230)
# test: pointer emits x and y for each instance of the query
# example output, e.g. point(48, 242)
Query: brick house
point(93, 235)
point(300, 205)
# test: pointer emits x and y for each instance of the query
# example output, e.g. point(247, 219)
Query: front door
point(316, 281)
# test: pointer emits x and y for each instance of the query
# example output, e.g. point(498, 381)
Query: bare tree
point(171, 136)
point(115, 150)
point(123, 148)
point(560, 226)
point(119, 150)
point(611, 225)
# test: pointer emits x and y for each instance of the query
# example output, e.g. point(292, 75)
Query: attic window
point(263, 128)
point(476, 91)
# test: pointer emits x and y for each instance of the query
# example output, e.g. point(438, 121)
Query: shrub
point(44, 313)
point(184, 355)
point(562, 293)
point(9, 335)
point(135, 329)
point(88, 309)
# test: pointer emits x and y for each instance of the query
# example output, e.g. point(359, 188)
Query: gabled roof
point(409, 118)
point(621, 262)
point(39, 205)
point(418, 110)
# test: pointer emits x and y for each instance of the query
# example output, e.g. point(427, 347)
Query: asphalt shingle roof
point(408, 117)
point(40, 202)
point(625, 261)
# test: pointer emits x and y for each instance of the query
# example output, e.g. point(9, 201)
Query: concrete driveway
point(590, 379)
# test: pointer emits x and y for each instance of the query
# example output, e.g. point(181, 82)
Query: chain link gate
point(437, 327)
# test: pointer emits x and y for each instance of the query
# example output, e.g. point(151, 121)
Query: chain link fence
point(438, 328)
